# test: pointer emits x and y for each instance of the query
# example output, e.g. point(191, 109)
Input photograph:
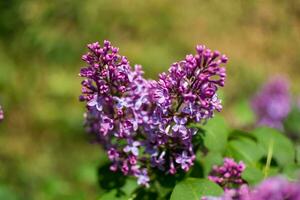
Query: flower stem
point(269, 158)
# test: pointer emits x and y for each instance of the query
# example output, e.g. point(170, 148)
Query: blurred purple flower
point(275, 188)
point(1, 114)
point(272, 103)
point(229, 175)
point(241, 193)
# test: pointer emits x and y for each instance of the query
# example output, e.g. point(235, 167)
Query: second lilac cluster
point(272, 103)
point(275, 188)
point(229, 175)
point(186, 93)
point(143, 124)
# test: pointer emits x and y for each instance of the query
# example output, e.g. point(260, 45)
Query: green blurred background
point(45, 153)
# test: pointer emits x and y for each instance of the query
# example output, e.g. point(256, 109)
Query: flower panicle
point(270, 189)
point(228, 175)
point(143, 124)
point(272, 103)
point(186, 93)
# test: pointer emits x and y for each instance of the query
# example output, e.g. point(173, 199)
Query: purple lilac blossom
point(114, 94)
point(241, 193)
point(275, 188)
point(186, 93)
point(272, 103)
point(1, 114)
point(143, 124)
point(229, 175)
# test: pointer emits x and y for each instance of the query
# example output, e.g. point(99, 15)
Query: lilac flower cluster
point(229, 175)
point(1, 114)
point(275, 188)
point(187, 93)
point(272, 103)
point(143, 124)
point(241, 193)
point(114, 94)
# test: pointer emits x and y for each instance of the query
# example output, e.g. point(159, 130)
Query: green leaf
point(244, 149)
point(283, 148)
point(273, 171)
point(109, 180)
point(252, 175)
point(292, 171)
point(123, 193)
point(236, 134)
point(298, 154)
point(130, 186)
point(212, 158)
point(216, 134)
point(291, 123)
point(113, 195)
point(194, 189)
point(244, 113)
